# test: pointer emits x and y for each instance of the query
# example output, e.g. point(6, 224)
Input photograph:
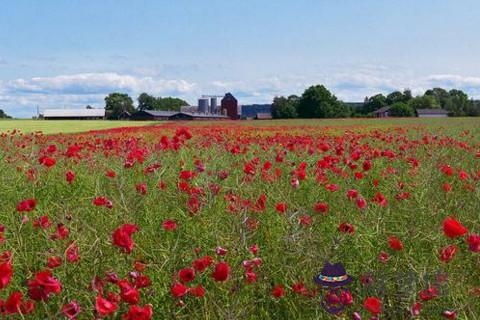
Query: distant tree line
point(318, 102)
point(118, 103)
point(3, 115)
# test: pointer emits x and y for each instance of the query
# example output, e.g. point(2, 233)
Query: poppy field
point(237, 220)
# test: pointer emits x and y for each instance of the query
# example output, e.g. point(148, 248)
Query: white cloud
point(349, 83)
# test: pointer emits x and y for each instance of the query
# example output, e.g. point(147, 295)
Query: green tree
point(424, 102)
point(374, 103)
point(116, 103)
point(146, 102)
point(285, 108)
point(457, 103)
point(398, 96)
point(3, 115)
point(169, 103)
point(318, 102)
point(441, 95)
point(401, 109)
point(149, 102)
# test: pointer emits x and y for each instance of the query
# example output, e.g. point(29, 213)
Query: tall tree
point(149, 102)
point(401, 109)
point(117, 103)
point(3, 115)
point(318, 102)
point(424, 102)
point(441, 95)
point(284, 108)
point(146, 102)
point(374, 103)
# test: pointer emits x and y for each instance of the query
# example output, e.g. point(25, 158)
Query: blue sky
point(58, 54)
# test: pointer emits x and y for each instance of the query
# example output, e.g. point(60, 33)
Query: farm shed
point(152, 115)
point(383, 112)
point(432, 113)
point(74, 114)
point(175, 115)
point(263, 116)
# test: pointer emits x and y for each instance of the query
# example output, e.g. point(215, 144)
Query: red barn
point(230, 104)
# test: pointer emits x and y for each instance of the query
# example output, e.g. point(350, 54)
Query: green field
point(73, 126)
point(66, 126)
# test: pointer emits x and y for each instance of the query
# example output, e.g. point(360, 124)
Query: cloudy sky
point(66, 54)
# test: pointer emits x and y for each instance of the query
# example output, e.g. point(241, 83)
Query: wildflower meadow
point(264, 220)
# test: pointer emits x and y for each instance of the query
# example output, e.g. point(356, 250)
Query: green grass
point(66, 126)
point(290, 252)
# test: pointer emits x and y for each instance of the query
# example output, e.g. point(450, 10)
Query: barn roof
point(81, 113)
point(382, 109)
point(432, 111)
point(159, 113)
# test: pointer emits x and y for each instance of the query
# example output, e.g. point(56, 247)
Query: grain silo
point(213, 105)
point(203, 105)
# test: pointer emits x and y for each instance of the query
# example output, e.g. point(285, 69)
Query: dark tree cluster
point(116, 104)
point(315, 102)
point(3, 115)
point(403, 104)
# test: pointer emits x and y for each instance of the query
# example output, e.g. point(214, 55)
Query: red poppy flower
point(186, 275)
point(122, 237)
point(43, 285)
point(278, 291)
point(71, 310)
point(321, 207)
point(70, 176)
point(346, 298)
point(47, 161)
point(128, 293)
point(346, 228)
point(452, 228)
point(54, 262)
point(26, 205)
point(447, 253)
point(72, 253)
point(395, 243)
point(15, 304)
point(169, 225)
point(221, 272)
point(105, 307)
point(383, 257)
point(139, 313)
point(416, 309)
point(474, 242)
point(42, 222)
point(373, 305)
point(6, 273)
point(361, 203)
point(428, 294)
point(449, 314)
point(197, 291)
point(141, 188)
point(281, 207)
point(178, 290)
point(202, 263)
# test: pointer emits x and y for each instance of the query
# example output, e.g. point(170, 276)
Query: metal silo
point(203, 105)
point(213, 105)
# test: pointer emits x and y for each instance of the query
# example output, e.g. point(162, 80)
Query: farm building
point(251, 111)
point(230, 106)
point(174, 115)
point(74, 114)
point(432, 113)
point(383, 112)
point(263, 116)
point(152, 115)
